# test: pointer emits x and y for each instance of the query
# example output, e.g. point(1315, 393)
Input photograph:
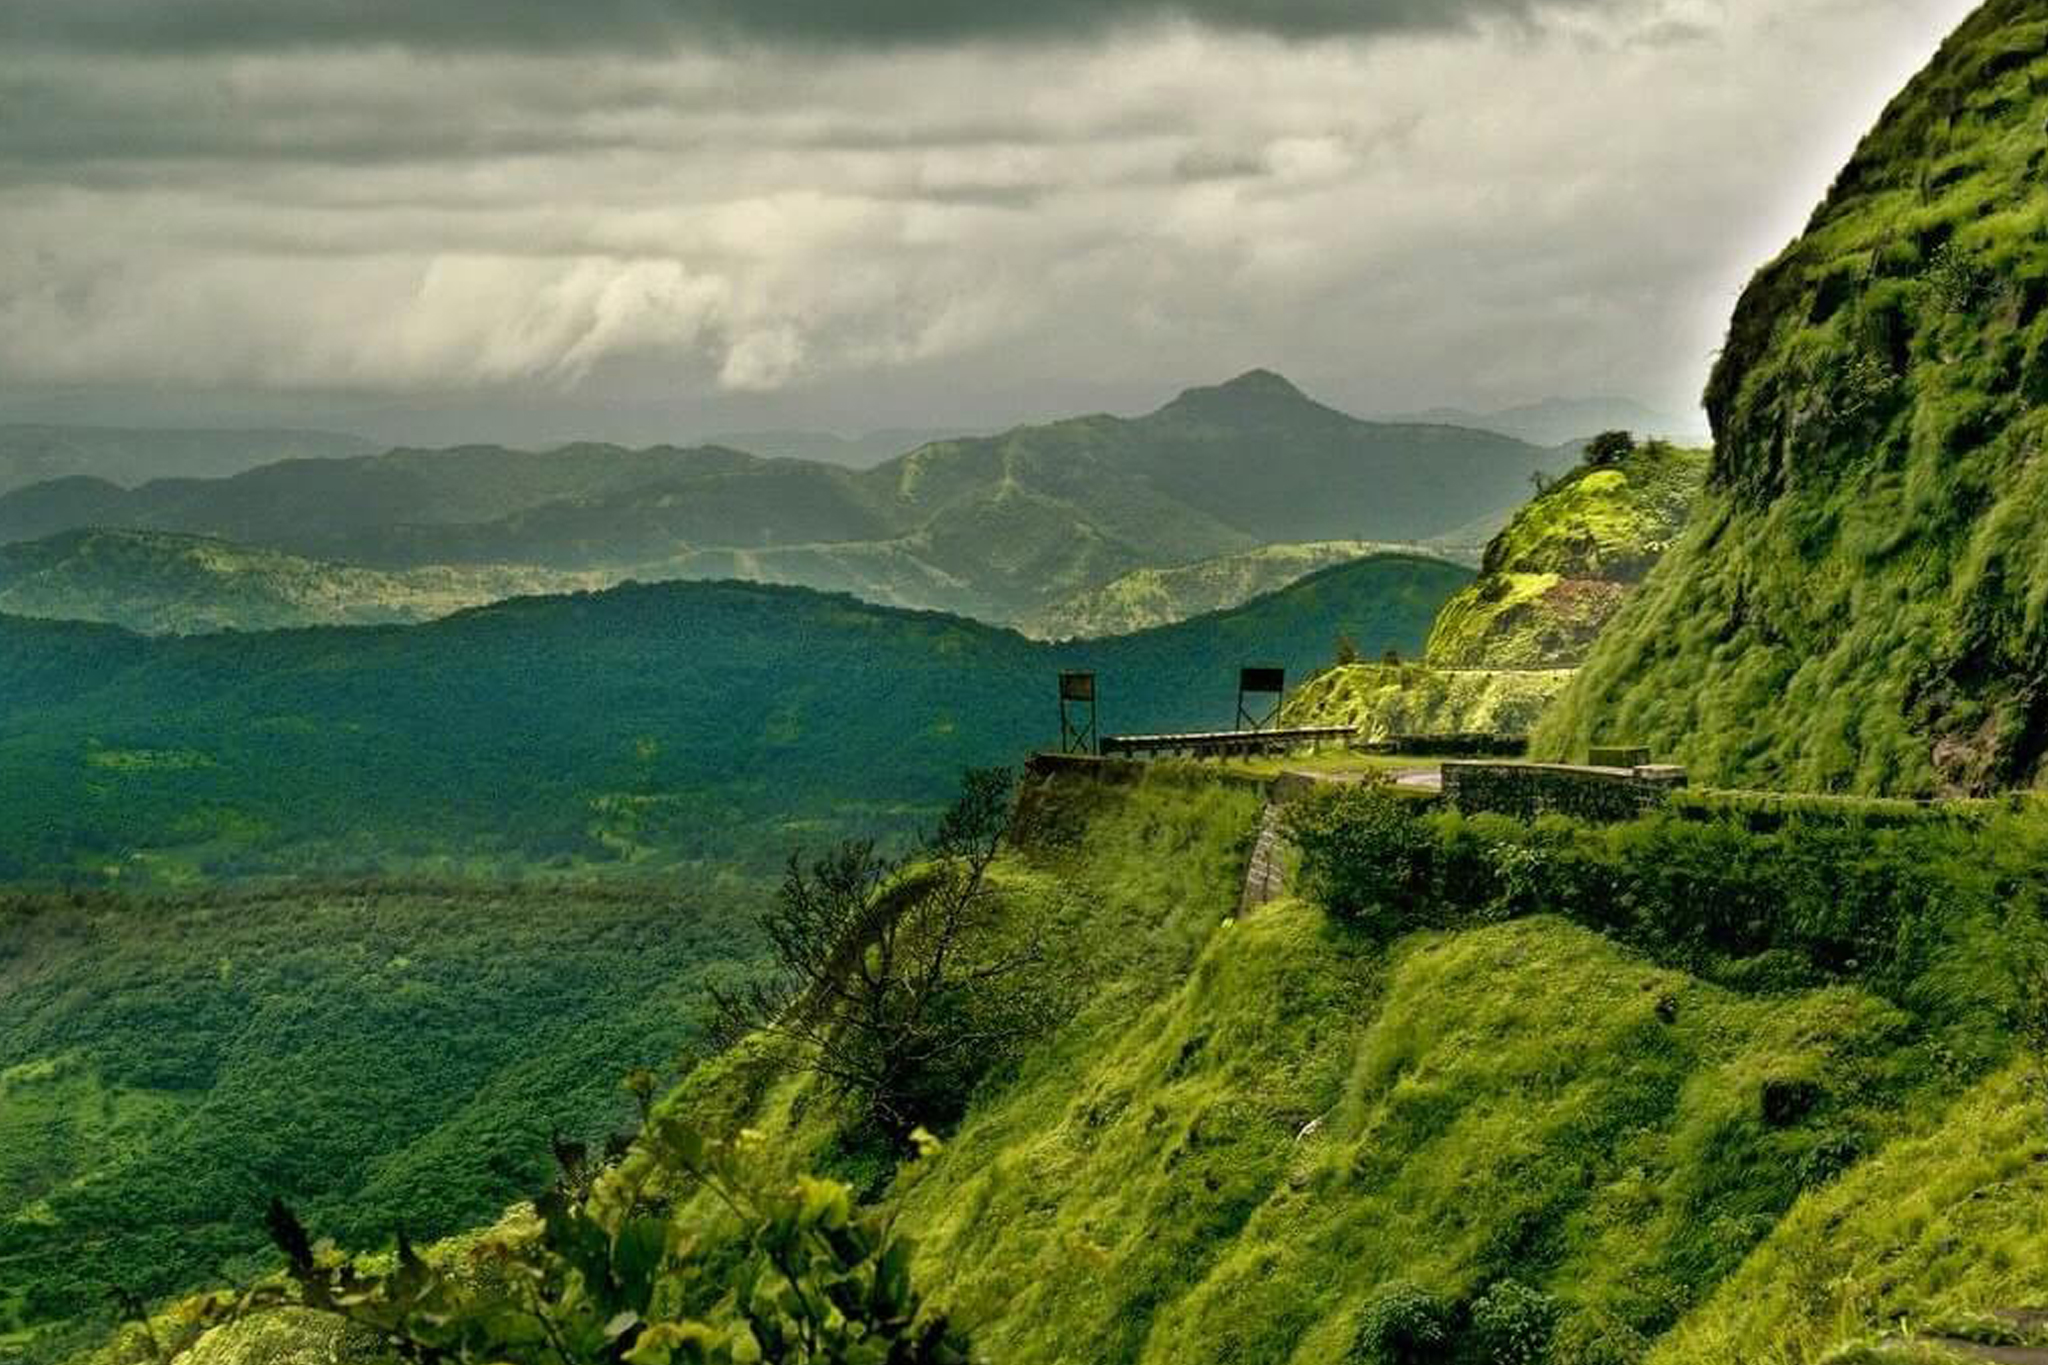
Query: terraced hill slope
point(164, 582)
point(1858, 604)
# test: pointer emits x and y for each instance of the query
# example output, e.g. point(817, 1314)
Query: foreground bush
point(1792, 901)
point(1404, 1325)
point(627, 1266)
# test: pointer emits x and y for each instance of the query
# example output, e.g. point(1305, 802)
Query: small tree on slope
point(894, 981)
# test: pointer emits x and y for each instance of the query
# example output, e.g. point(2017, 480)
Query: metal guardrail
point(1223, 743)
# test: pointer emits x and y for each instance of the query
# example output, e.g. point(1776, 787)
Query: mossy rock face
point(1381, 701)
point(1861, 602)
point(1564, 565)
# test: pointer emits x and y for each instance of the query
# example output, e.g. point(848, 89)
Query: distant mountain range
point(995, 527)
point(34, 453)
point(684, 720)
point(826, 447)
point(1556, 421)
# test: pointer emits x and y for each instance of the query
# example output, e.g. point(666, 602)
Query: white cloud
point(1467, 217)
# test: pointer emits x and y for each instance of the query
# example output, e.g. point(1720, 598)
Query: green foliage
point(1367, 855)
point(1786, 902)
point(619, 1270)
point(1857, 606)
point(1512, 1324)
point(380, 1056)
point(1610, 448)
point(893, 982)
point(1404, 1325)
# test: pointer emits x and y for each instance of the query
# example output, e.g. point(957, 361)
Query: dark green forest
point(680, 724)
point(384, 1056)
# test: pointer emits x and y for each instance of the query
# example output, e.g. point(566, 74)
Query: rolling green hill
point(1857, 604)
point(1156, 597)
point(391, 1050)
point(994, 527)
point(37, 453)
point(680, 722)
point(164, 582)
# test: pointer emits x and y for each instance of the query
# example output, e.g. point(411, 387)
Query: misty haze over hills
point(995, 527)
point(1555, 421)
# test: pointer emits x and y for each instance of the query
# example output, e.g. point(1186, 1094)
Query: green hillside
point(995, 527)
point(32, 453)
point(1857, 605)
point(1156, 597)
point(1504, 648)
point(1382, 701)
point(159, 582)
point(1558, 572)
point(385, 1050)
point(1688, 1089)
point(674, 723)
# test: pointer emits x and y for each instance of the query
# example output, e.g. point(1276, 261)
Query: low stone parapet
point(1527, 790)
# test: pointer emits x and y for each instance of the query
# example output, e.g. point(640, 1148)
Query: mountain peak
point(1262, 383)
point(1253, 393)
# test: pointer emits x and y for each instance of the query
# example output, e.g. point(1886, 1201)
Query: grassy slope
point(709, 724)
point(387, 1056)
point(1858, 604)
point(1256, 1124)
point(1253, 1126)
point(1503, 648)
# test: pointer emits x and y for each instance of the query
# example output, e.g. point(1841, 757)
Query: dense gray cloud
point(499, 25)
point(537, 242)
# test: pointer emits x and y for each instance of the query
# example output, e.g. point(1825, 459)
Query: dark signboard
point(1262, 680)
point(1077, 687)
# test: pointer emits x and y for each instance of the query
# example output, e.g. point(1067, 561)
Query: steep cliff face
point(1861, 602)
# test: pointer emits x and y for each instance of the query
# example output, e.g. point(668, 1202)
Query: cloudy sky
point(530, 219)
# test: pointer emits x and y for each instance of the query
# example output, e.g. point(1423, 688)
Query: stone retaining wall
point(1527, 790)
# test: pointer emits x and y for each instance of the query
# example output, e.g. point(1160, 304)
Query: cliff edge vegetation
point(1858, 605)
